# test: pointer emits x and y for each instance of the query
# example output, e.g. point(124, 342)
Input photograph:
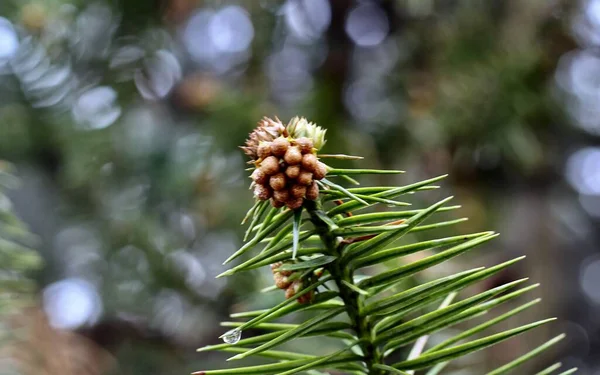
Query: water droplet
point(233, 336)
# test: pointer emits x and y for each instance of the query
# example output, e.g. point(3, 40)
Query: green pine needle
point(550, 370)
point(568, 372)
point(524, 358)
point(296, 233)
point(338, 172)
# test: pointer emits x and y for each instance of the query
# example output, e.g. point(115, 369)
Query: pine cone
point(286, 161)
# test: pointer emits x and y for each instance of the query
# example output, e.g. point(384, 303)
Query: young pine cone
point(276, 265)
point(306, 298)
point(281, 281)
point(291, 291)
point(297, 286)
point(286, 162)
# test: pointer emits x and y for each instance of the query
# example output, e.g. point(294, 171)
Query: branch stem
point(343, 275)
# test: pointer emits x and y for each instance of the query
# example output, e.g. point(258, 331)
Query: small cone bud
point(320, 171)
point(306, 298)
point(305, 144)
point(275, 266)
point(264, 150)
point(279, 146)
point(259, 177)
point(293, 156)
point(281, 196)
point(270, 165)
point(262, 192)
point(289, 292)
point(286, 273)
point(293, 171)
point(298, 191)
point(296, 286)
point(309, 162)
point(277, 204)
point(294, 203)
point(278, 181)
point(300, 127)
point(312, 192)
point(305, 178)
point(281, 281)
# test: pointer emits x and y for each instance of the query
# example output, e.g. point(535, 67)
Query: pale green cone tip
point(300, 127)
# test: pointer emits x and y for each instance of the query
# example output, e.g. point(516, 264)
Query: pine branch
point(343, 276)
point(318, 259)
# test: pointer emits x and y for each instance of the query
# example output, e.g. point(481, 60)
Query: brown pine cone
point(281, 281)
point(275, 266)
point(306, 298)
point(286, 273)
point(291, 291)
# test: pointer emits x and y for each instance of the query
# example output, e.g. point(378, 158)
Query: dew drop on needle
point(233, 336)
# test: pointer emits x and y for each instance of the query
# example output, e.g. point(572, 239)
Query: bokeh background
point(122, 121)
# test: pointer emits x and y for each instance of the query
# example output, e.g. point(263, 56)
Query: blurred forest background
point(122, 121)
